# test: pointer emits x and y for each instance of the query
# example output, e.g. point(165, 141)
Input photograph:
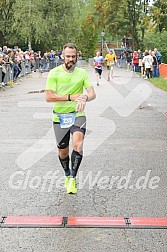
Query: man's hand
point(80, 106)
point(74, 97)
point(82, 97)
point(81, 102)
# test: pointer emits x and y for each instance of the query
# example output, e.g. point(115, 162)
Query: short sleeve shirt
point(110, 58)
point(64, 83)
point(98, 62)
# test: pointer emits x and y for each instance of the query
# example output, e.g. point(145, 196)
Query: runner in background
point(98, 64)
point(111, 59)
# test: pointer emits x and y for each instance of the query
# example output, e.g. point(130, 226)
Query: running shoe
point(72, 186)
point(67, 178)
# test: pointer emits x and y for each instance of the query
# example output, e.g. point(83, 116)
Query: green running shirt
point(64, 83)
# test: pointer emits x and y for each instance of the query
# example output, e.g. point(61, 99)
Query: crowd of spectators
point(15, 63)
point(146, 63)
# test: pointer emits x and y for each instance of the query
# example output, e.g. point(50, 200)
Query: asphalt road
point(123, 173)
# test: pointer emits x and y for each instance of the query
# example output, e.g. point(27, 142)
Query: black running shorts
point(63, 134)
point(98, 70)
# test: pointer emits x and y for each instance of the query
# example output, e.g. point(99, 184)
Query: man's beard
point(70, 67)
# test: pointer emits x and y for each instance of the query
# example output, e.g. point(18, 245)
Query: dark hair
point(70, 45)
point(9, 51)
point(146, 53)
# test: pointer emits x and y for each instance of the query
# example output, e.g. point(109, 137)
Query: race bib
point(66, 120)
point(111, 63)
point(98, 65)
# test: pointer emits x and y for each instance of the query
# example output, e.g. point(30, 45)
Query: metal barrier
point(23, 69)
point(9, 73)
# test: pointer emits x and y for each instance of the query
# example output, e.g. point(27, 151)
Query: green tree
point(88, 39)
point(6, 20)
point(159, 14)
point(124, 17)
point(47, 24)
point(157, 40)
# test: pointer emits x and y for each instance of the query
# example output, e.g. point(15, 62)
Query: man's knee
point(78, 144)
point(63, 153)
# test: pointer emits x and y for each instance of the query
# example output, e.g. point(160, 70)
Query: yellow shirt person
point(110, 58)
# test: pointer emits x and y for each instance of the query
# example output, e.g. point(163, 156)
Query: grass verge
point(159, 82)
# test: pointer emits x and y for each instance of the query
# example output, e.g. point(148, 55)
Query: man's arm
point(53, 97)
point(90, 93)
point(89, 96)
point(94, 62)
point(115, 58)
point(82, 99)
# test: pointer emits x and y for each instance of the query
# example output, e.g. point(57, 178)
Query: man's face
point(70, 57)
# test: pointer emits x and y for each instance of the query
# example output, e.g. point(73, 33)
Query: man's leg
point(108, 73)
point(78, 130)
point(151, 73)
point(100, 73)
point(111, 71)
point(76, 156)
point(97, 76)
point(157, 71)
point(63, 138)
point(64, 160)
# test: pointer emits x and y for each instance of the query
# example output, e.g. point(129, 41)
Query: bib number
point(111, 63)
point(66, 120)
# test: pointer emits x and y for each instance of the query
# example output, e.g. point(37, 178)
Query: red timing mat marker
point(33, 221)
point(82, 222)
point(96, 222)
point(148, 222)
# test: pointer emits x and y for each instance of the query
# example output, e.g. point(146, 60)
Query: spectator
point(5, 50)
point(129, 61)
point(155, 65)
point(135, 61)
point(140, 65)
point(159, 58)
point(2, 65)
point(51, 59)
point(148, 60)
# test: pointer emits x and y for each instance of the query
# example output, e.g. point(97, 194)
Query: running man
point(64, 87)
point(111, 59)
point(98, 64)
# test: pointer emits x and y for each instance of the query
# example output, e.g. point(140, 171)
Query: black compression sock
point(65, 164)
point(76, 159)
